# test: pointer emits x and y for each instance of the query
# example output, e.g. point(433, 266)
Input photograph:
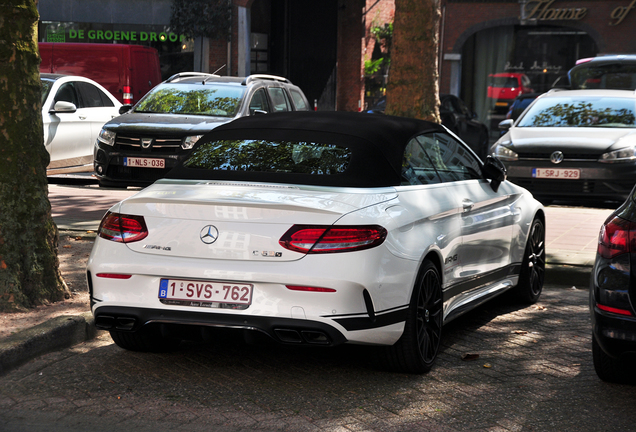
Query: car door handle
point(467, 204)
point(82, 117)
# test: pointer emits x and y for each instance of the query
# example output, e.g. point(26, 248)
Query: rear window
point(587, 111)
point(209, 99)
point(269, 156)
point(607, 76)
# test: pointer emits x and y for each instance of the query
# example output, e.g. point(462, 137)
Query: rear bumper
point(282, 330)
point(616, 335)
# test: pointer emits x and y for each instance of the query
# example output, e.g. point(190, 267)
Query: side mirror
point(495, 171)
point(63, 107)
point(504, 125)
point(124, 109)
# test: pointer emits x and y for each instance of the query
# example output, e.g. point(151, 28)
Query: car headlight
point(190, 141)
point(106, 137)
point(505, 154)
point(627, 154)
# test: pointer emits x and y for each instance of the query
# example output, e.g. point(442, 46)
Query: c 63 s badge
point(268, 254)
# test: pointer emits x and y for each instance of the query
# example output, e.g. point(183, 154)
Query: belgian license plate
point(207, 292)
point(144, 162)
point(556, 173)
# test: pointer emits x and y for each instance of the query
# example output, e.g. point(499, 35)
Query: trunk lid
point(237, 221)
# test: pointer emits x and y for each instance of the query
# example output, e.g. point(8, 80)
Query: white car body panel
point(252, 217)
point(69, 137)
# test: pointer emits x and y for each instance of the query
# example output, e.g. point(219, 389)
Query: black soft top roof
point(377, 143)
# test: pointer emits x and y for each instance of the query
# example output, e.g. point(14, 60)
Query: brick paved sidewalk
point(533, 373)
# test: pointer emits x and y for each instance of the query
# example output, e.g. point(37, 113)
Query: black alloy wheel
point(417, 349)
point(532, 272)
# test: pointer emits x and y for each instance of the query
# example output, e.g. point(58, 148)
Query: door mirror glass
point(495, 171)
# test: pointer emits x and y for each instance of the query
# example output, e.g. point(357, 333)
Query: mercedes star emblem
point(556, 157)
point(209, 234)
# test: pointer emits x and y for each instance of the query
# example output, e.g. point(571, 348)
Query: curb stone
point(54, 334)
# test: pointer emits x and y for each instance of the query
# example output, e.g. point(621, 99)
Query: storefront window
point(176, 52)
point(501, 63)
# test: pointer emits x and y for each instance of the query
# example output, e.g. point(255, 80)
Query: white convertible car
point(319, 229)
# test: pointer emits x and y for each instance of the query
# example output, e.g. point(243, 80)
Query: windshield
point(46, 88)
point(504, 82)
point(270, 156)
point(608, 76)
point(585, 111)
point(210, 99)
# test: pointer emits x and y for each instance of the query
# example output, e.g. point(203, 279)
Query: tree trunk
point(29, 267)
point(413, 86)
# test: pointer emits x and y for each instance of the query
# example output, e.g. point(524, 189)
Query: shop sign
point(122, 36)
point(541, 10)
point(621, 12)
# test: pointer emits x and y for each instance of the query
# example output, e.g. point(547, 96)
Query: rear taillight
point(122, 228)
point(617, 236)
point(331, 239)
point(128, 95)
point(612, 274)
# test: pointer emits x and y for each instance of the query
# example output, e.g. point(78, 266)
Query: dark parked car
point(613, 295)
point(573, 144)
point(463, 122)
point(459, 119)
point(143, 144)
point(520, 104)
point(602, 72)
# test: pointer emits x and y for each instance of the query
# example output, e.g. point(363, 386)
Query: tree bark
point(413, 87)
point(29, 267)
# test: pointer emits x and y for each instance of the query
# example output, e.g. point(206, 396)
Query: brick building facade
point(322, 46)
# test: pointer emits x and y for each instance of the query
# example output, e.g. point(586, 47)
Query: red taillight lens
point(330, 239)
point(122, 228)
point(113, 275)
point(614, 310)
point(128, 95)
point(617, 236)
point(309, 289)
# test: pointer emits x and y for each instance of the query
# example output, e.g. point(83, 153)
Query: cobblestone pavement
point(533, 372)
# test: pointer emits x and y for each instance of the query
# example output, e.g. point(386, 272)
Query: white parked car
point(317, 229)
point(74, 109)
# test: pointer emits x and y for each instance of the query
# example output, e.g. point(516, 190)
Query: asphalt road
point(532, 371)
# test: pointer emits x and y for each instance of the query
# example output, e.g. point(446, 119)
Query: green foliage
point(207, 101)
point(373, 66)
point(202, 18)
point(582, 114)
point(383, 32)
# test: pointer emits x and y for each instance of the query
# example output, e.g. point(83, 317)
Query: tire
point(416, 351)
point(607, 368)
point(532, 274)
point(146, 339)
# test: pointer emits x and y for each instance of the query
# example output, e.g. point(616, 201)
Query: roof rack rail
point(183, 75)
point(251, 78)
